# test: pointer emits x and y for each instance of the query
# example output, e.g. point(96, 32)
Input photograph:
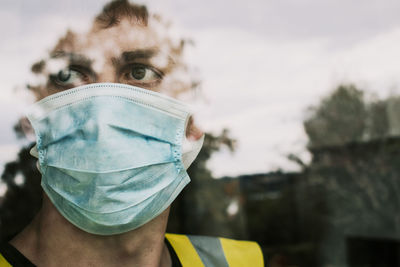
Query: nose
point(107, 74)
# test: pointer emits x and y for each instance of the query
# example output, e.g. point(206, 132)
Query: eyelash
point(129, 68)
point(83, 73)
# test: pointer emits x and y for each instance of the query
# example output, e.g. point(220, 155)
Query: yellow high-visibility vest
point(4, 262)
point(204, 251)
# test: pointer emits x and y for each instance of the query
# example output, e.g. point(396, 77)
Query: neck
point(50, 240)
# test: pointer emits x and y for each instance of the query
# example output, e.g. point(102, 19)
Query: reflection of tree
point(338, 119)
point(378, 121)
point(345, 116)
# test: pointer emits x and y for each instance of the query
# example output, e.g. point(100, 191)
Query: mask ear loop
point(34, 151)
point(190, 149)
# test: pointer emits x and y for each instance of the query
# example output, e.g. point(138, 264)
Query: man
point(110, 151)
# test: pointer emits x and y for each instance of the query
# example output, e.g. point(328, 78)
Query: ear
point(193, 133)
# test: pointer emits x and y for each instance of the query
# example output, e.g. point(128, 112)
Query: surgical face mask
point(111, 154)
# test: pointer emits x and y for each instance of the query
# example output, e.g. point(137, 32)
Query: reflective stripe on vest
point(4, 262)
point(204, 251)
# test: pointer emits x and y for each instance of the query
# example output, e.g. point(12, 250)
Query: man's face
point(143, 56)
point(128, 53)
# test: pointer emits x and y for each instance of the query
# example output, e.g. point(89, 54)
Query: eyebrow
point(128, 56)
point(141, 53)
point(73, 58)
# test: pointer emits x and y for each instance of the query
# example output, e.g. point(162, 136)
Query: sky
point(262, 63)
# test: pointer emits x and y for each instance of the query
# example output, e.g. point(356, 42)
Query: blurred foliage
point(340, 118)
point(378, 121)
point(346, 116)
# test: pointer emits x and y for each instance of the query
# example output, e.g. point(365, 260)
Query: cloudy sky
point(262, 62)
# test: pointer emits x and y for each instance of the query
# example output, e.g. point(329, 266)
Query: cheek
point(51, 91)
point(41, 92)
point(176, 82)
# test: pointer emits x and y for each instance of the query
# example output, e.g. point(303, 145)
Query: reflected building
point(343, 209)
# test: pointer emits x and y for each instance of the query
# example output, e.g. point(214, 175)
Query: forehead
point(102, 44)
